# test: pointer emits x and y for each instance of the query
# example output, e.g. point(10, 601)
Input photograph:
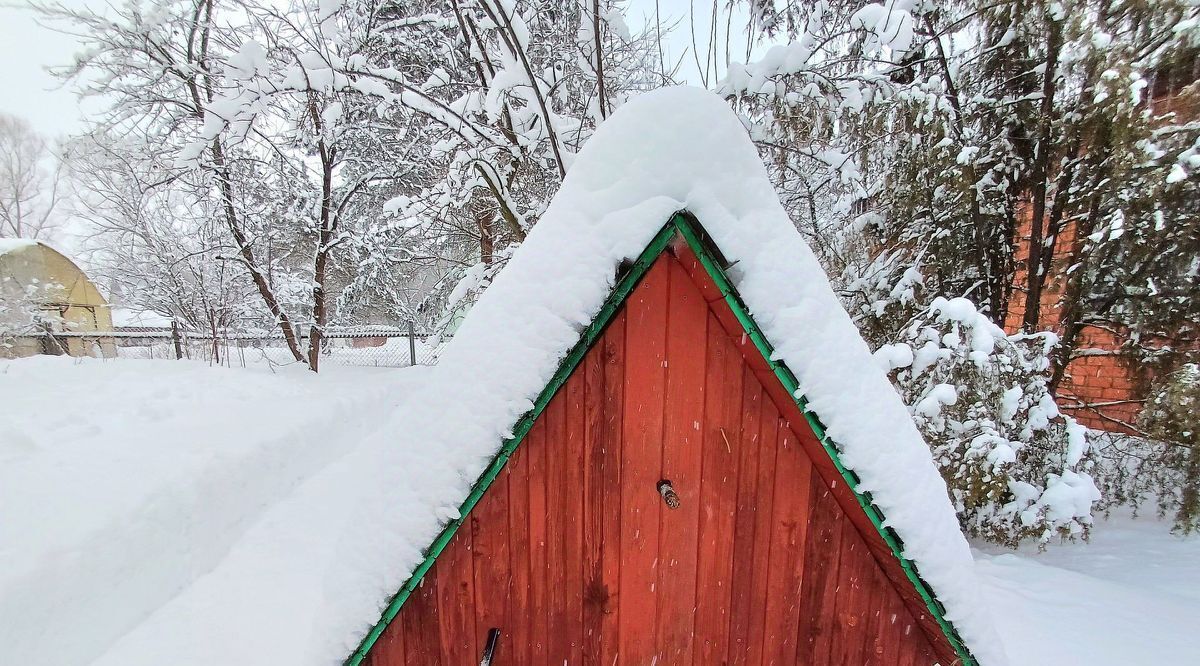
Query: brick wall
point(1098, 388)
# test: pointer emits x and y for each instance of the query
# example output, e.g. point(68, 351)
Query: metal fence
point(371, 346)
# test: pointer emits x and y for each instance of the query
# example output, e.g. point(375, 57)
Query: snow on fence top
point(353, 533)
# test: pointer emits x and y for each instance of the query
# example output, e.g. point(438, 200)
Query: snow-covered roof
point(15, 244)
point(307, 582)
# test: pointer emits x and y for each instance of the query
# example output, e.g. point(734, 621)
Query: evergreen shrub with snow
point(1016, 467)
point(1167, 466)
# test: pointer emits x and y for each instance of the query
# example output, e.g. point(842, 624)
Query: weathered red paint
point(573, 554)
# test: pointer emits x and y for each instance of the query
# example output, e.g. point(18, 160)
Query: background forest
point(985, 182)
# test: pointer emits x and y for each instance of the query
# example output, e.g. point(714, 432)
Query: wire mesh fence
point(370, 346)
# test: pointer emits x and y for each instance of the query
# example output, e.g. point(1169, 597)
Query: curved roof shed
point(36, 277)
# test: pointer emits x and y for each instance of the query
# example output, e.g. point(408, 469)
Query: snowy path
point(1131, 596)
point(140, 476)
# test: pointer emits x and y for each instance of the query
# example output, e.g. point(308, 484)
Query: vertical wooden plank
point(389, 649)
point(420, 619)
point(492, 566)
point(682, 450)
point(556, 572)
point(611, 453)
point(793, 476)
point(645, 378)
point(594, 591)
point(570, 500)
point(518, 634)
point(718, 495)
point(724, 316)
point(927, 654)
point(819, 590)
point(888, 625)
point(900, 633)
point(849, 641)
point(747, 444)
point(768, 453)
point(909, 596)
point(540, 593)
point(914, 648)
point(455, 600)
point(877, 588)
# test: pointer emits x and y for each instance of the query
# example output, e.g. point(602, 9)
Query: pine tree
point(1164, 469)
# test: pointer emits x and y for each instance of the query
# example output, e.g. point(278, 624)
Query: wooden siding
point(576, 558)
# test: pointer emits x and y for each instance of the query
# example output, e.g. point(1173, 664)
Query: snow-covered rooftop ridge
point(8, 245)
point(15, 244)
point(668, 150)
point(352, 534)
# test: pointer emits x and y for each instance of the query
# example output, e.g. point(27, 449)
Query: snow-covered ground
point(1129, 596)
point(132, 492)
point(123, 481)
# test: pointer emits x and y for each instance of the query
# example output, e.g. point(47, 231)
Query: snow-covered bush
point(22, 314)
point(1169, 464)
point(1016, 467)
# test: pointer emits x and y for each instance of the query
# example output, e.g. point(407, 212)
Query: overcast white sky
point(26, 89)
point(27, 49)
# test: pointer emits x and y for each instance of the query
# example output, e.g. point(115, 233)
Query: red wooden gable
point(575, 557)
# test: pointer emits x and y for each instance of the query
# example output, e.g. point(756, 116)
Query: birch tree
point(31, 181)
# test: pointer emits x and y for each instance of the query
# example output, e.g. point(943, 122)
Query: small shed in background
point(48, 305)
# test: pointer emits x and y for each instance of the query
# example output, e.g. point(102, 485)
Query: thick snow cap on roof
point(684, 148)
point(308, 582)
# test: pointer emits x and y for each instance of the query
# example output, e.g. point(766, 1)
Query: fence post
point(412, 345)
point(176, 340)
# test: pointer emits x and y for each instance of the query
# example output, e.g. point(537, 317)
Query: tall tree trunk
point(216, 342)
point(199, 68)
point(1035, 278)
point(600, 92)
point(316, 332)
point(1071, 303)
point(328, 224)
point(487, 242)
point(239, 237)
point(990, 260)
point(175, 339)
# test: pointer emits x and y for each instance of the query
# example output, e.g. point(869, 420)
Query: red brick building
point(1099, 388)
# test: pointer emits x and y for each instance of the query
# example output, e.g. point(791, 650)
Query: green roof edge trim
point(684, 224)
